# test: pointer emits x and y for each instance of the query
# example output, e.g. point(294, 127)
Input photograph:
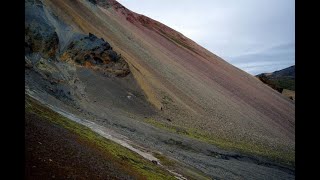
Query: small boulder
point(154, 162)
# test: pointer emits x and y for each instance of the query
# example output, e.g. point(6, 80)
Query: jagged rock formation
point(90, 51)
point(40, 36)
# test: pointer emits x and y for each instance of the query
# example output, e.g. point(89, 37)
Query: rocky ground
point(126, 120)
point(57, 148)
point(52, 152)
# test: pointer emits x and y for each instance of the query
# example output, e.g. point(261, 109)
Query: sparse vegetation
point(243, 147)
point(164, 160)
point(284, 82)
point(166, 100)
point(122, 156)
point(173, 164)
point(279, 80)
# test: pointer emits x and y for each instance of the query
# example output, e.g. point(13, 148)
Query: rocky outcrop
point(42, 39)
point(93, 52)
point(40, 36)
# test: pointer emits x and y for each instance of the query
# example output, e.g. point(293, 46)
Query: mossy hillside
point(278, 82)
point(284, 82)
point(280, 156)
point(127, 159)
point(174, 165)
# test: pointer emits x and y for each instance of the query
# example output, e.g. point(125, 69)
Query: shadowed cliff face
point(85, 50)
point(148, 68)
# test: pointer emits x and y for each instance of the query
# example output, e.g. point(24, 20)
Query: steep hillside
point(125, 71)
point(283, 81)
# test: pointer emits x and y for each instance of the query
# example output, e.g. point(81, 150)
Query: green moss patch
point(279, 156)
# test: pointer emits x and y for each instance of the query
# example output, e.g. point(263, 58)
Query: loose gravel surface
point(53, 152)
point(128, 122)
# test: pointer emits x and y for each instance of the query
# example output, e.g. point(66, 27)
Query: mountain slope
point(160, 77)
point(289, 72)
point(59, 148)
point(204, 86)
point(283, 81)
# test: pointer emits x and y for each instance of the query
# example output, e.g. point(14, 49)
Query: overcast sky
point(254, 35)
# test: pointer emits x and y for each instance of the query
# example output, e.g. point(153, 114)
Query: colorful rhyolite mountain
point(192, 89)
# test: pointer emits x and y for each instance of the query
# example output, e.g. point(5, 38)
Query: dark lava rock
point(92, 37)
point(40, 35)
point(113, 55)
point(154, 162)
point(41, 38)
point(93, 2)
point(89, 50)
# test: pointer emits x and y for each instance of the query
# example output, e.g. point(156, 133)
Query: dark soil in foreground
point(53, 152)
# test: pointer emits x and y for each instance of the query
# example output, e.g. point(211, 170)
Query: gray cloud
point(246, 33)
point(266, 60)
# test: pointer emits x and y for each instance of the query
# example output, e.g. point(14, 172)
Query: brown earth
point(52, 152)
point(289, 93)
